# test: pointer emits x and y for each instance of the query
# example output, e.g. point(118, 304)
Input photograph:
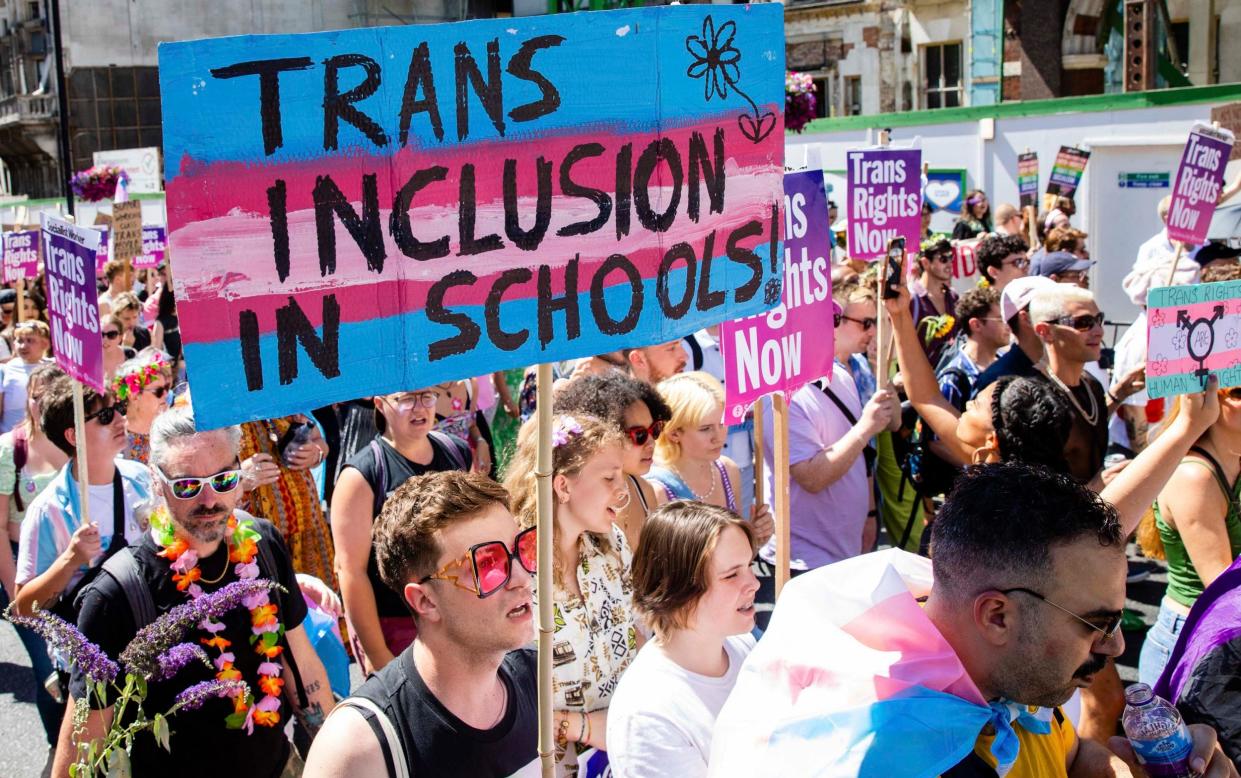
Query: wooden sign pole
point(780, 486)
point(21, 300)
point(759, 481)
point(1176, 260)
point(543, 480)
point(79, 432)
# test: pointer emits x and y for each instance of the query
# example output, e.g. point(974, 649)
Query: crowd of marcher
point(401, 529)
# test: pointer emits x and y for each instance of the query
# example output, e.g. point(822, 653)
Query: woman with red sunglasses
point(640, 414)
point(689, 460)
point(596, 633)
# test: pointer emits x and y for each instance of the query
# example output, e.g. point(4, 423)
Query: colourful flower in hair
point(932, 242)
point(126, 386)
point(563, 429)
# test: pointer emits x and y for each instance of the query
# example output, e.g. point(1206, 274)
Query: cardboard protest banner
point(1066, 174)
point(1027, 179)
point(72, 299)
point(1199, 180)
point(154, 244)
point(21, 255)
point(884, 200)
point(792, 344)
point(1229, 117)
point(127, 228)
point(965, 272)
point(381, 209)
point(1192, 331)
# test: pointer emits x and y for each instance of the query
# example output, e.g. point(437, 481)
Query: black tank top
point(438, 743)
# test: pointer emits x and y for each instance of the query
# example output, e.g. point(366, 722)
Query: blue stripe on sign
point(366, 348)
point(616, 71)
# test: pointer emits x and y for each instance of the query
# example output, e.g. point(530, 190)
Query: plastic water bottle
point(1157, 733)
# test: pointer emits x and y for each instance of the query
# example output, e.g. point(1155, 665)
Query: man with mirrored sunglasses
point(59, 549)
point(462, 700)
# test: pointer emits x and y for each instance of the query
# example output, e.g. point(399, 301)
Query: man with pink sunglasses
point(462, 700)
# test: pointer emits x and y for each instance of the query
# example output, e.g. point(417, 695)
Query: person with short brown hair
point(120, 277)
point(692, 581)
point(463, 699)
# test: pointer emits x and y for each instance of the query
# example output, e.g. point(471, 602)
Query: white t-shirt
point(662, 716)
point(13, 380)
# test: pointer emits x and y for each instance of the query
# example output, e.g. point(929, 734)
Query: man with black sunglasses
point(58, 547)
point(932, 297)
point(462, 700)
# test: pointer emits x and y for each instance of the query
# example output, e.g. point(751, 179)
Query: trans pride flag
point(852, 679)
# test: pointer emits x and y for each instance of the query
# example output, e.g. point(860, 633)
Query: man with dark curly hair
point(1002, 258)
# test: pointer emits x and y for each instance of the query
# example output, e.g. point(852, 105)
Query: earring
point(983, 455)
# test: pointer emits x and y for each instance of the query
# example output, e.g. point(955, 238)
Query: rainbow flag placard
point(366, 211)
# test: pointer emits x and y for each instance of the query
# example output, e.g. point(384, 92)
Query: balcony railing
point(22, 108)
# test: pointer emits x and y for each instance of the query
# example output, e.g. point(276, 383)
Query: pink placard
point(791, 345)
point(1198, 182)
point(21, 255)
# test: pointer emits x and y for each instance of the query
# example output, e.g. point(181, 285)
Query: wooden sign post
point(543, 482)
point(780, 487)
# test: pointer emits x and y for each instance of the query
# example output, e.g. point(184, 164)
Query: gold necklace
point(223, 572)
point(1091, 417)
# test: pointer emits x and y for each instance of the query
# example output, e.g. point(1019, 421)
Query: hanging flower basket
point(799, 100)
point(96, 183)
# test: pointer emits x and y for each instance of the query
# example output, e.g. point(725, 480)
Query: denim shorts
point(1160, 641)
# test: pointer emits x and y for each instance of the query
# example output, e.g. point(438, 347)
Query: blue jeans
point(1160, 641)
point(50, 711)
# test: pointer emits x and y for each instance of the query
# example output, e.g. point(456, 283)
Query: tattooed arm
point(319, 700)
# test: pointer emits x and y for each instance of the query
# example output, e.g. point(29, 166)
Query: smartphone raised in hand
point(894, 263)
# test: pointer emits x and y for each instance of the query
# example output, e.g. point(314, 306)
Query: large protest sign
point(965, 273)
point(153, 247)
point(1199, 180)
point(386, 208)
point(790, 345)
point(72, 299)
point(1027, 179)
point(1192, 331)
point(21, 255)
point(884, 200)
point(1066, 173)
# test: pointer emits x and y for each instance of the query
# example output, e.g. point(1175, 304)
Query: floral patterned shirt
point(595, 636)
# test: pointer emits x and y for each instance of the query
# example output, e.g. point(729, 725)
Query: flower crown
point(126, 386)
point(563, 429)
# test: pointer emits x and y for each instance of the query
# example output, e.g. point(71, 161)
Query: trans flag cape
point(852, 679)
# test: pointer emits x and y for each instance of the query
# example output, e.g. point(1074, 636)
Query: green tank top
point(1184, 585)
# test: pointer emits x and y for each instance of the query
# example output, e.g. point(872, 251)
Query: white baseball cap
point(1019, 292)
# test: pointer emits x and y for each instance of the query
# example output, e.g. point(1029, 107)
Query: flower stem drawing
point(718, 63)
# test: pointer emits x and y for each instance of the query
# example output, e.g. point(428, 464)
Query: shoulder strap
point(20, 455)
point(1217, 469)
point(827, 390)
point(695, 350)
point(385, 732)
point(124, 570)
point(637, 485)
point(452, 447)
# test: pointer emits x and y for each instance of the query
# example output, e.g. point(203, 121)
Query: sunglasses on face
point(222, 482)
point(7, 310)
point(639, 435)
point(158, 392)
point(944, 257)
point(112, 334)
point(1107, 631)
point(490, 564)
point(1083, 323)
point(106, 414)
point(866, 324)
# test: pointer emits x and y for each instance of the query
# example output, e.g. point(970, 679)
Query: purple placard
point(21, 255)
point(73, 299)
point(105, 251)
point(884, 200)
point(792, 344)
point(154, 243)
point(1198, 182)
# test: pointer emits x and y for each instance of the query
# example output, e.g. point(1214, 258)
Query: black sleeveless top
point(438, 743)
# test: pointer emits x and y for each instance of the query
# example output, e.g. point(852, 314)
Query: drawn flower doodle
point(1179, 341)
point(718, 63)
point(1231, 337)
point(1157, 318)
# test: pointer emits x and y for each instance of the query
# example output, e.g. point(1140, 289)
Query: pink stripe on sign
point(220, 187)
point(1219, 360)
point(1167, 316)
